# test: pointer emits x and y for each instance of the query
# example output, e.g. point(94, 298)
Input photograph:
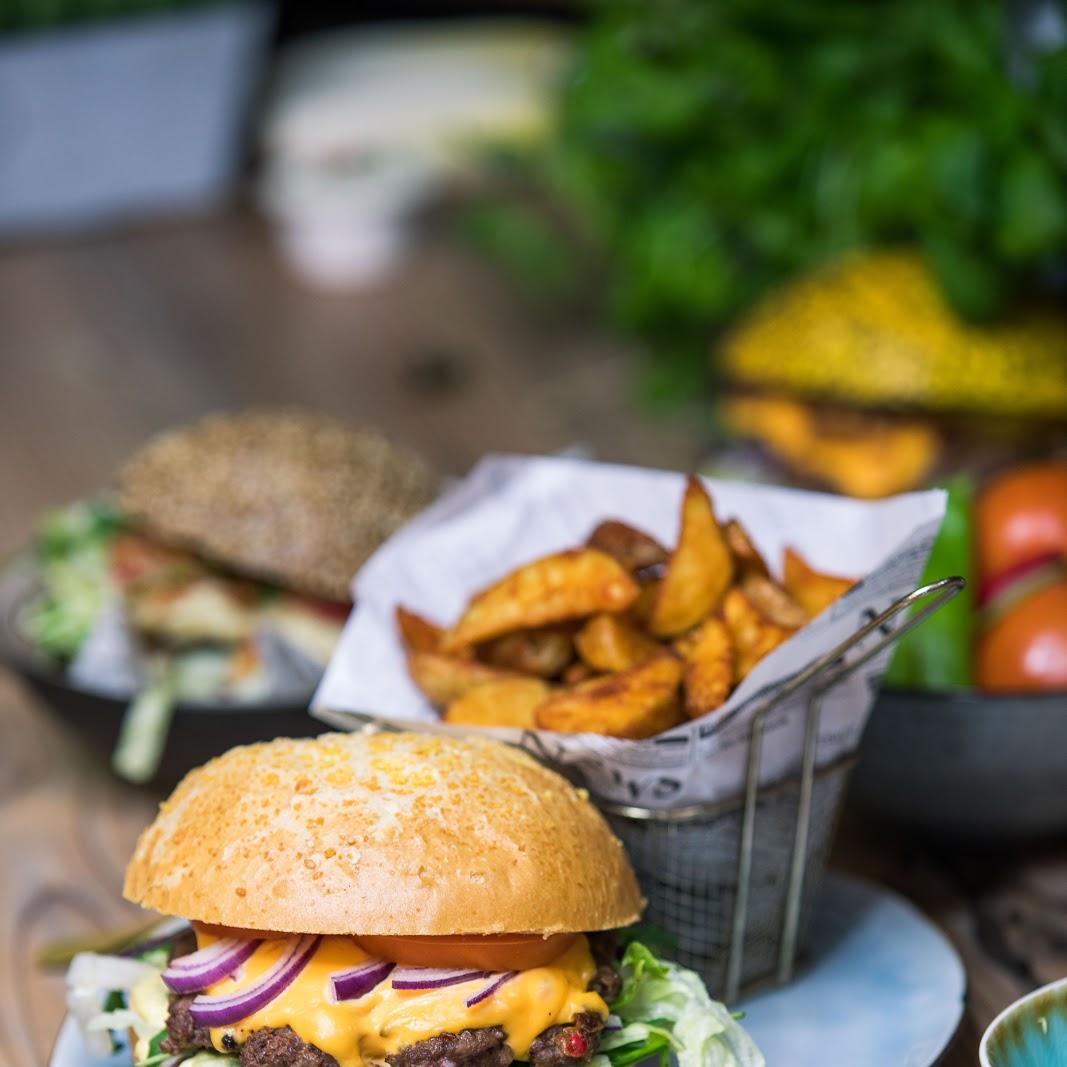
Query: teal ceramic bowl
point(1032, 1032)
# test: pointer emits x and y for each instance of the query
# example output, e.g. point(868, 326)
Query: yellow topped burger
point(402, 900)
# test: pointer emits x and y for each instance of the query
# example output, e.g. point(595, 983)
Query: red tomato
point(1020, 515)
point(214, 932)
point(1026, 648)
point(492, 952)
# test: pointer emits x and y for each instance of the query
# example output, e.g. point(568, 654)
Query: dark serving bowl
point(967, 764)
point(198, 731)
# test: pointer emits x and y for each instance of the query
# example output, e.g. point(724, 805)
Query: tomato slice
point(214, 932)
point(489, 952)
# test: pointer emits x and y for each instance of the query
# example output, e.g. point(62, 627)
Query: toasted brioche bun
point(383, 834)
point(286, 496)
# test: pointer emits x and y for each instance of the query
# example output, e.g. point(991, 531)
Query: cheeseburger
point(392, 899)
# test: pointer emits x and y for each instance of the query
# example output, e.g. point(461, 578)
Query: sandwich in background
point(220, 569)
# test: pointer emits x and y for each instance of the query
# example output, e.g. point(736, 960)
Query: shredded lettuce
point(93, 982)
point(71, 554)
point(666, 1011)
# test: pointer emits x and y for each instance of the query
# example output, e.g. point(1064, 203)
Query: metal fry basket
point(735, 882)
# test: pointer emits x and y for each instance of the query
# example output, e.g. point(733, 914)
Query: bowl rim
point(1014, 1006)
point(978, 696)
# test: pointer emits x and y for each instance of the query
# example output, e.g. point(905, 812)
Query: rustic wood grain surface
point(105, 339)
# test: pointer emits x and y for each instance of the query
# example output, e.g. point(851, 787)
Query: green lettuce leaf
point(666, 1009)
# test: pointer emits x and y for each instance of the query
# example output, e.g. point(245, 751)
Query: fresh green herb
point(706, 151)
point(937, 656)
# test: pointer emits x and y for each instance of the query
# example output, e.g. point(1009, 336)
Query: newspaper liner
point(511, 509)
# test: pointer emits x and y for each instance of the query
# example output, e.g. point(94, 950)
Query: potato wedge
point(773, 602)
point(709, 668)
point(578, 672)
point(812, 590)
point(508, 702)
point(608, 643)
point(633, 548)
point(543, 653)
point(753, 635)
point(417, 634)
point(699, 572)
point(641, 608)
point(444, 678)
point(566, 585)
point(637, 703)
point(684, 645)
point(747, 558)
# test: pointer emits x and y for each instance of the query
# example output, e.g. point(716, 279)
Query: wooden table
point(107, 339)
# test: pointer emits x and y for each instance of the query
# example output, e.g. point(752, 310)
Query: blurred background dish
point(967, 765)
point(196, 727)
point(365, 126)
point(217, 579)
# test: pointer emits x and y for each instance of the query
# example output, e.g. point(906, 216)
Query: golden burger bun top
point(395, 834)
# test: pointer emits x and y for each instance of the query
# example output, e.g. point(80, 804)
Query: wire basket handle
point(823, 674)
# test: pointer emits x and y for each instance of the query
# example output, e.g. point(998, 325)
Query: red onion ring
point(198, 970)
point(223, 1010)
point(358, 981)
point(487, 991)
point(434, 977)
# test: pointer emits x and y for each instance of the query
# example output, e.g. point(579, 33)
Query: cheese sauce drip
point(386, 1020)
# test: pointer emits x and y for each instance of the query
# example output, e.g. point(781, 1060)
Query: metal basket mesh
point(688, 872)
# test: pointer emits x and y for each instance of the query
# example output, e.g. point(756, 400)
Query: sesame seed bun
point(396, 834)
point(281, 495)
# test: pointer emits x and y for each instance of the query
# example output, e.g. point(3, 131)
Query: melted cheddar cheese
point(385, 1020)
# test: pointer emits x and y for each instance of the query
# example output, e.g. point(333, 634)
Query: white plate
point(884, 987)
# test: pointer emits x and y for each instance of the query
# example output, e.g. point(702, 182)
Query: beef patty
point(282, 1048)
point(182, 1032)
point(471, 1048)
point(565, 1046)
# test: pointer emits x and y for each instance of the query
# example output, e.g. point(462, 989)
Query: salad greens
point(666, 1011)
point(937, 656)
point(71, 551)
point(705, 152)
point(110, 995)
